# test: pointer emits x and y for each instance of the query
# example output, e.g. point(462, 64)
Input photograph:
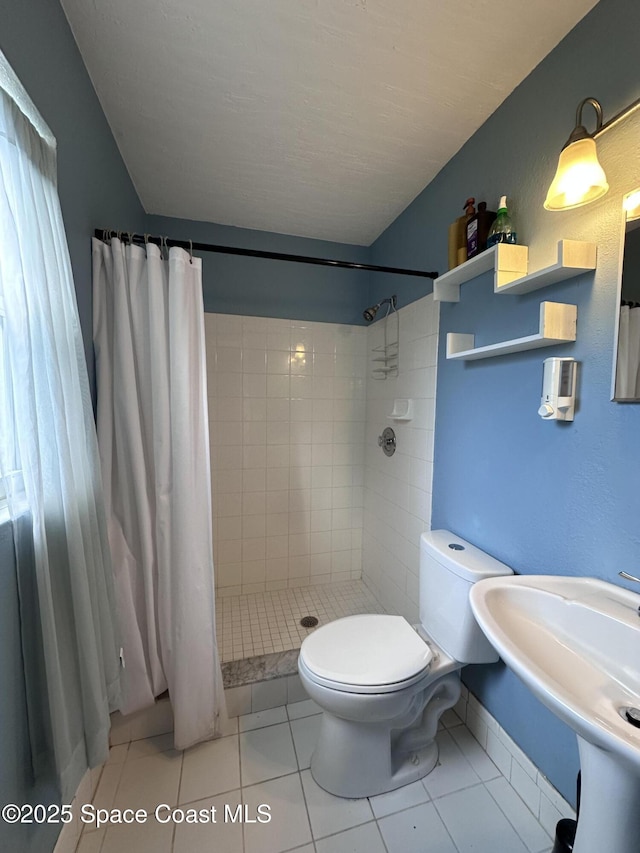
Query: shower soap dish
point(402, 410)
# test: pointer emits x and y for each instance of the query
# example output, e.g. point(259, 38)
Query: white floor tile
point(296, 710)
point(518, 815)
point(262, 718)
point(266, 754)
point(452, 772)
point(210, 768)
point(295, 691)
point(229, 726)
point(147, 782)
point(329, 814)
point(476, 824)
point(305, 736)
point(289, 825)
point(401, 798)
point(118, 754)
point(108, 785)
point(417, 830)
point(450, 719)
point(474, 753)
point(149, 837)
point(223, 836)
point(268, 694)
point(91, 842)
point(360, 839)
point(151, 746)
point(549, 816)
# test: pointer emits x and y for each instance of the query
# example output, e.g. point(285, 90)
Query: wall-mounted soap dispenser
point(558, 389)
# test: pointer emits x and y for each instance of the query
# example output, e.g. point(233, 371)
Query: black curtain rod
point(257, 253)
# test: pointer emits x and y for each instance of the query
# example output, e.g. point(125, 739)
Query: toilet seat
point(368, 653)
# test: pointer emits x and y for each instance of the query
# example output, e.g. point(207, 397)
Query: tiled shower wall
point(286, 420)
point(397, 495)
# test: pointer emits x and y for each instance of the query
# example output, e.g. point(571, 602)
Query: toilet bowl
point(383, 684)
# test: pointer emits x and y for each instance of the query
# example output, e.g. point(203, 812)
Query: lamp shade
point(579, 179)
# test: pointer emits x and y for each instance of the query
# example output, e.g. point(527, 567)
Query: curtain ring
point(130, 236)
point(190, 252)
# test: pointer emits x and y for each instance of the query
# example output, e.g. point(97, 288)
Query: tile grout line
point(515, 829)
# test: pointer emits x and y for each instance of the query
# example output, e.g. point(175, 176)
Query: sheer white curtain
point(49, 459)
point(154, 446)
point(628, 363)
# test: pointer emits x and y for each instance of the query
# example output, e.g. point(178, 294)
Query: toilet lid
point(366, 650)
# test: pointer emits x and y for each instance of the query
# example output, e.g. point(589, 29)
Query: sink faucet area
point(575, 642)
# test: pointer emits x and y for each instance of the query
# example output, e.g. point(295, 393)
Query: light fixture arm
point(580, 126)
point(617, 117)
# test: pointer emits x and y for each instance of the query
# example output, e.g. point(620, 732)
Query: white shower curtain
point(154, 447)
point(628, 364)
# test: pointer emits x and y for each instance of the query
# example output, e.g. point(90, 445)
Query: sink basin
point(575, 642)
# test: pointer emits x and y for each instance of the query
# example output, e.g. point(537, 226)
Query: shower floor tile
point(262, 623)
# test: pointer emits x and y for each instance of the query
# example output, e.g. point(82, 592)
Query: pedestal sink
point(575, 642)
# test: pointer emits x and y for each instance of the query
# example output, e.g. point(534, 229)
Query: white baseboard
point(539, 795)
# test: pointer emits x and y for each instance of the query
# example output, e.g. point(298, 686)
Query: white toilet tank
point(449, 566)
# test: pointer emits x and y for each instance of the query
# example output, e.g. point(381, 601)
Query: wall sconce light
point(580, 178)
point(631, 205)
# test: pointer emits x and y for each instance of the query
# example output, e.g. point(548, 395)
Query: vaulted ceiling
point(319, 118)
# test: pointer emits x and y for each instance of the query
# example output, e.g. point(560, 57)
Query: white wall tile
point(397, 490)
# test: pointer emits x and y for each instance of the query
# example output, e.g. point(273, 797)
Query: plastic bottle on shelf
point(502, 230)
point(458, 235)
point(478, 229)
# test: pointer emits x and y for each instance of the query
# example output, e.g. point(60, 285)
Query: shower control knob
point(387, 441)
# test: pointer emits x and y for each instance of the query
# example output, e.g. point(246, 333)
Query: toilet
point(383, 684)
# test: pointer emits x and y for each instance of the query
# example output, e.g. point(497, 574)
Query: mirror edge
point(619, 298)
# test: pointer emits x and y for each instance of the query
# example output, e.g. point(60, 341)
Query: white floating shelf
point(508, 262)
point(557, 326)
point(509, 265)
point(574, 258)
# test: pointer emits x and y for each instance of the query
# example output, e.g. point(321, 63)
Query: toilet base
point(356, 759)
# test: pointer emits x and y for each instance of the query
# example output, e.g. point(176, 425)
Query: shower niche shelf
point(557, 326)
point(509, 264)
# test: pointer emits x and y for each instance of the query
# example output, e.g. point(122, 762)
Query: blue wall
point(543, 497)
point(268, 288)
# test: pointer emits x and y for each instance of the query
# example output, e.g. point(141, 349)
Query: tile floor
point(464, 805)
point(264, 622)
